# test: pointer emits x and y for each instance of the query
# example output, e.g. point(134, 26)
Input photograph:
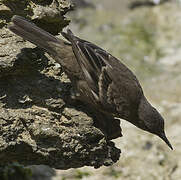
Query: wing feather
point(105, 75)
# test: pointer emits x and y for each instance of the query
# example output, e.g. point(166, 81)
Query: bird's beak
point(163, 137)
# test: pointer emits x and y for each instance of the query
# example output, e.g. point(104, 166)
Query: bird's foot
point(74, 94)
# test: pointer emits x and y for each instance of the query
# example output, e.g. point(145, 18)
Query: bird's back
point(110, 84)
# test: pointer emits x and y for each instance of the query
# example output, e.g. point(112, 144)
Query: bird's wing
point(101, 72)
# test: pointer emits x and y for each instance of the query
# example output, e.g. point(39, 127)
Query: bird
point(99, 79)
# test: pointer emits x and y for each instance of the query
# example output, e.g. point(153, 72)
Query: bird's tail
point(36, 35)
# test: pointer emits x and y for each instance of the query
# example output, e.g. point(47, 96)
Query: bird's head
point(150, 120)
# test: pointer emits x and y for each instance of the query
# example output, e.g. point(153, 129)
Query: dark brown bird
point(99, 78)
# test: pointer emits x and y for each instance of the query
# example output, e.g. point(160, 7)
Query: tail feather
point(34, 34)
point(69, 35)
point(30, 27)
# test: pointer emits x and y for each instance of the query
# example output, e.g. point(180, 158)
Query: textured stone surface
point(47, 14)
point(39, 122)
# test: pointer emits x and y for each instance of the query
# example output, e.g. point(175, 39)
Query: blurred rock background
point(148, 40)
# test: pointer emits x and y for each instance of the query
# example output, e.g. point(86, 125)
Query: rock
point(39, 122)
point(49, 15)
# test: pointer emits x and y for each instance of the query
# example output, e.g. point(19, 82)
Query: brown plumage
point(99, 78)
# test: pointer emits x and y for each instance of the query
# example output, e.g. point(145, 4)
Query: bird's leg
point(108, 124)
point(74, 93)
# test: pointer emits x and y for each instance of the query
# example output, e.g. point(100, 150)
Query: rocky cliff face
point(39, 122)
